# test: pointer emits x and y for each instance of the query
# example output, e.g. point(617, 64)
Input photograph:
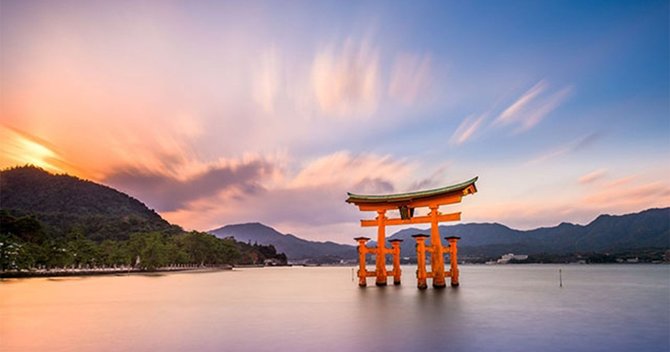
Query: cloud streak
point(410, 79)
point(466, 129)
point(346, 79)
point(567, 148)
point(593, 176)
point(532, 106)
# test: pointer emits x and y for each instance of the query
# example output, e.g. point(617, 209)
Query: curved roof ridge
point(410, 195)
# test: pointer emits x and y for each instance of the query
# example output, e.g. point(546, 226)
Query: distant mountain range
point(294, 247)
point(649, 229)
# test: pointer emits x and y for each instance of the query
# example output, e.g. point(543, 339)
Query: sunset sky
point(218, 112)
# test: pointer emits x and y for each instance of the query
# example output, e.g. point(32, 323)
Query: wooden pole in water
point(560, 277)
point(453, 256)
point(421, 261)
point(362, 270)
point(395, 247)
point(381, 248)
point(437, 256)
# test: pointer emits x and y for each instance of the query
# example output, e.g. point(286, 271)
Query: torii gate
point(406, 203)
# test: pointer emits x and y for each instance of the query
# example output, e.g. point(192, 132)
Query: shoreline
point(100, 272)
point(205, 269)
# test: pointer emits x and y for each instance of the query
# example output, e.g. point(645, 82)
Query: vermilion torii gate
point(406, 203)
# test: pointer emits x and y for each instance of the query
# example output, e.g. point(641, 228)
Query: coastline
point(108, 271)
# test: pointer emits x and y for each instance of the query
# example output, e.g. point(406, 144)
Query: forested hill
point(59, 221)
point(64, 204)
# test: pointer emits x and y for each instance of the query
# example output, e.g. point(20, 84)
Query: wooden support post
point(395, 246)
point(381, 248)
point(437, 257)
point(421, 261)
point(362, 251)
point(453, 256)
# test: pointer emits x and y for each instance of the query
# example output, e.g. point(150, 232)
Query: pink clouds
point(310, 198)
point(524, 113)
point(626, 194)
point(532, 106)
point(346, 169)
point(346, 78)
point(341, 79)
point(466, 129)
point(169, 193)
point(410, 79)
point(577, 203)
point(592, 176)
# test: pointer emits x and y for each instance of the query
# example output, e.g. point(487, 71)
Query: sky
point(216, 112)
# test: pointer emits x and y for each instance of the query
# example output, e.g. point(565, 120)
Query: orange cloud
point(20, 148)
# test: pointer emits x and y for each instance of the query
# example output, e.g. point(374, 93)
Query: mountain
point(65, 204)
point(607, 233)
point(649, 229)
point(294, 247)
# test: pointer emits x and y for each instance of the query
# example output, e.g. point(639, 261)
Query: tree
point(150, 248)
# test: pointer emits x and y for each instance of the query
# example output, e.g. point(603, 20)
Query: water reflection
point(515, 308)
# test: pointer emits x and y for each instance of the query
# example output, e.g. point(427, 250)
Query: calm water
point(497, 308)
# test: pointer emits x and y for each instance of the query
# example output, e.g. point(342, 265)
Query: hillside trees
point(52, 221)
point(25, 245)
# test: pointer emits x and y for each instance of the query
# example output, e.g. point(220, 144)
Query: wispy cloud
point(267, 81)
point(630, 197)
point(410, 78)
point(352, 170)
point(346, 78)
point(467, 129)
point(533, 106)
point(513, 111)
point(570, 147)
point(592, 176)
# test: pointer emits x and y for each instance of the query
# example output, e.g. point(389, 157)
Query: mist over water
point(497, 308)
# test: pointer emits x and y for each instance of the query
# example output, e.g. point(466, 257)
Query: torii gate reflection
point(406, 203)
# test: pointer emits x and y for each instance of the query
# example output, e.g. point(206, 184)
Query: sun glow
point(20, 149)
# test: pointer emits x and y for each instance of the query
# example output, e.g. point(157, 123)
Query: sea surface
point(496, 308)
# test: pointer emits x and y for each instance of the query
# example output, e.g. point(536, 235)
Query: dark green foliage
point(63, 203)
point(58, 221)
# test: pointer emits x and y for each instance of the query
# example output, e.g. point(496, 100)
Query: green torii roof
point(406, 197)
